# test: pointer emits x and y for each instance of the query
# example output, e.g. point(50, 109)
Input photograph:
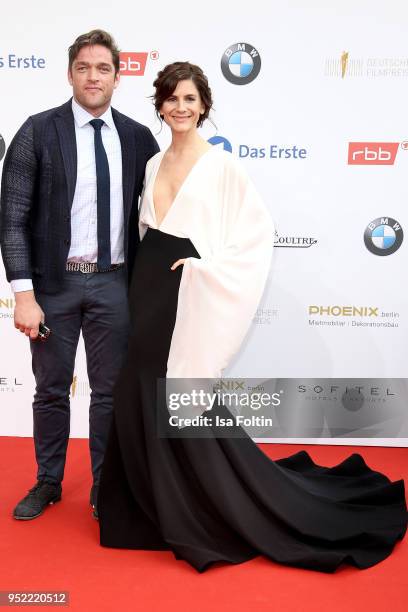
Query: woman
point(199, 274)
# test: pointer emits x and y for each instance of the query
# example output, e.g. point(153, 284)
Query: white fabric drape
point(220, 211)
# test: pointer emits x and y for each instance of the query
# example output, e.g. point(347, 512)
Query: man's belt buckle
point(86, 267)
point(89, 268)
point(81, 266)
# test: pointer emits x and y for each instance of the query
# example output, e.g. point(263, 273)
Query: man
point(71, 183)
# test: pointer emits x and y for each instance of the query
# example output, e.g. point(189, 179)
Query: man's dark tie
point(103, 197)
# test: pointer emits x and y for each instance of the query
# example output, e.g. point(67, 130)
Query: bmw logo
point(240, 63)
point(2, 147)
point(383, 236)
point(220, 141)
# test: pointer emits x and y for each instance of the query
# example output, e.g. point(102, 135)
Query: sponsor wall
point(312, 99)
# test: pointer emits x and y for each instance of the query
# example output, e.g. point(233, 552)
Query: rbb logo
point(372, 153)
point(132, 64)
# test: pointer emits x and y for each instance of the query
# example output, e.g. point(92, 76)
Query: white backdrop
point(299, 99)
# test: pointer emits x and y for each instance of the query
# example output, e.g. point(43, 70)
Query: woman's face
point(182, 110)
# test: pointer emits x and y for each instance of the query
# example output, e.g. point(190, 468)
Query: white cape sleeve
point(219, 294)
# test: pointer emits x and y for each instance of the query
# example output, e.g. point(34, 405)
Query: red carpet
point(59, 551)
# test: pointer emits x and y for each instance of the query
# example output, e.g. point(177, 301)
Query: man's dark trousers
point(95, 303)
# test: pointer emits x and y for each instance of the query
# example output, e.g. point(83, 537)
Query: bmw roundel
point(383, 236)
point(240, 63)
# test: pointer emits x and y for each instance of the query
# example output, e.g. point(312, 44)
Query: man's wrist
point(23, 297)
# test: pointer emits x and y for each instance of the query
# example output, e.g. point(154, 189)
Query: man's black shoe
point(94, 500)
point(38, 498)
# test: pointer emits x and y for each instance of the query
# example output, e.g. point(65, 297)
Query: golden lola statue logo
point(80, 388)
point(345, 66)
point(74, 386)
point(344, 62)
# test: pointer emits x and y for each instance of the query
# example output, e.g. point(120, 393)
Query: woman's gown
point(220, 499)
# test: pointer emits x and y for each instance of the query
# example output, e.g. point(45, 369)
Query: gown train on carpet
point(222, 499)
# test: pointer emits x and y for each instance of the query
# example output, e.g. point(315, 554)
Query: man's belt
point(88, 268)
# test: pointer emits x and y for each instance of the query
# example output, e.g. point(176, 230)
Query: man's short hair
point(94, 37)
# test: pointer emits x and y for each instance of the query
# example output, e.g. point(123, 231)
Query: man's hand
point(27, 313)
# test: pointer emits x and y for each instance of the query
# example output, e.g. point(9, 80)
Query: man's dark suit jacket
point(37, 190)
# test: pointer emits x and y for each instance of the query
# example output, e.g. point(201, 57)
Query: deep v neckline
point(153, 183)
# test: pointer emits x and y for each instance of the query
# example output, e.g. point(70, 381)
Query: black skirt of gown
point(223, 499)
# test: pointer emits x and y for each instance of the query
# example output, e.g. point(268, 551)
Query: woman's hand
point(177, 263)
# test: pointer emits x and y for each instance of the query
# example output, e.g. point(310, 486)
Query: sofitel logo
point(352, 397)
point(9, 385)
point(334, 389)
